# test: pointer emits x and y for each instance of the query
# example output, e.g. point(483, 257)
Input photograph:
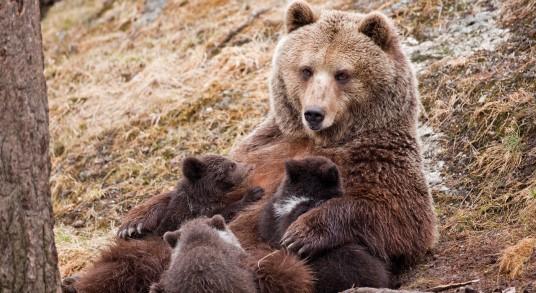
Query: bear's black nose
point(314, 116)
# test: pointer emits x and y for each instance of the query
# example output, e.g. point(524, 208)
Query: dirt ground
point(134, 86)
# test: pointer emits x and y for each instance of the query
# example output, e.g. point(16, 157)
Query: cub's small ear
point(172, 237)
point(380, 29)
point(331, 176)
point(293, 170)
point(193, 168)
point(298, 14)
point(218, 222)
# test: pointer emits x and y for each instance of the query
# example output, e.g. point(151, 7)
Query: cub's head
point(212, 175)
point(312, 180)
point(197, 234)
point(201, 232)
point(338, 73)
point(308, 183)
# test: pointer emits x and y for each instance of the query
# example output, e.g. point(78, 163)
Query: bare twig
point(434, 289)
point(451, 286)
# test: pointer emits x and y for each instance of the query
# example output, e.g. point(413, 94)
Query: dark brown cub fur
point(308, 183)
point(208, 187)
point(207, 258)
point(125, 266)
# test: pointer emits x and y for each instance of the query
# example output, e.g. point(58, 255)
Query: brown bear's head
point(201, 231)
point(336, 74)
point(213, 176)
point(201, 243)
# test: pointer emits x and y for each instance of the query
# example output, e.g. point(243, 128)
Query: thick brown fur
point(207, 258)
point(279, 271)
point(125, 266)
point(309, 183)
point(351, 67)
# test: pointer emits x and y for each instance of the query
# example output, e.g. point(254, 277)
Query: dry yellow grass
point(514, 258)
point(77, 249)
point(485, 105)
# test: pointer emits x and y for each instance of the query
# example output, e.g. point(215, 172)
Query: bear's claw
point(305, 241)
point(131, 230)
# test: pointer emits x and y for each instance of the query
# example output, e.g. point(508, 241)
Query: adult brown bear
point(341, 87)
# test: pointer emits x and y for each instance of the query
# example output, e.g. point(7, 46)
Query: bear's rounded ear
point(331, 176)
point(218, 222)
point(293, 170)
point(193, 168)
point(379, 28)
point(298, 14)
point(172, 237)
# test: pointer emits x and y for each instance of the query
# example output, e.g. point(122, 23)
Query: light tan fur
point(333, 43)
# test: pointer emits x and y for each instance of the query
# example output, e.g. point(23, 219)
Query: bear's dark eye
point(342, 76)
point(306, 73)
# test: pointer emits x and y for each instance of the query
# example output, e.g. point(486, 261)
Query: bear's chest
point(269, 162)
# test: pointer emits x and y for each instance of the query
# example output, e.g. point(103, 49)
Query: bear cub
point(211, 185)
point(206, 257)
point(307, 184)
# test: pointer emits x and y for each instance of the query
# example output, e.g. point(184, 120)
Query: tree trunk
point(27, 250)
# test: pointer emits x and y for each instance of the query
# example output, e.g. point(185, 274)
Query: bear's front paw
point(133, 229)
point(306, 240)
point(254, 194)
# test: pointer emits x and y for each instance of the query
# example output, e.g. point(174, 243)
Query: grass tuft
point(514, 258)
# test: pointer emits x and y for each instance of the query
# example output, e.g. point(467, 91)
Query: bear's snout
point(314, 117)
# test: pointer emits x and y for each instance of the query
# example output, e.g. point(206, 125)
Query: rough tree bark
point(28, 255)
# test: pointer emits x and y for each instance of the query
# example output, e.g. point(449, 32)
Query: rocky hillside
point(136, 85)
